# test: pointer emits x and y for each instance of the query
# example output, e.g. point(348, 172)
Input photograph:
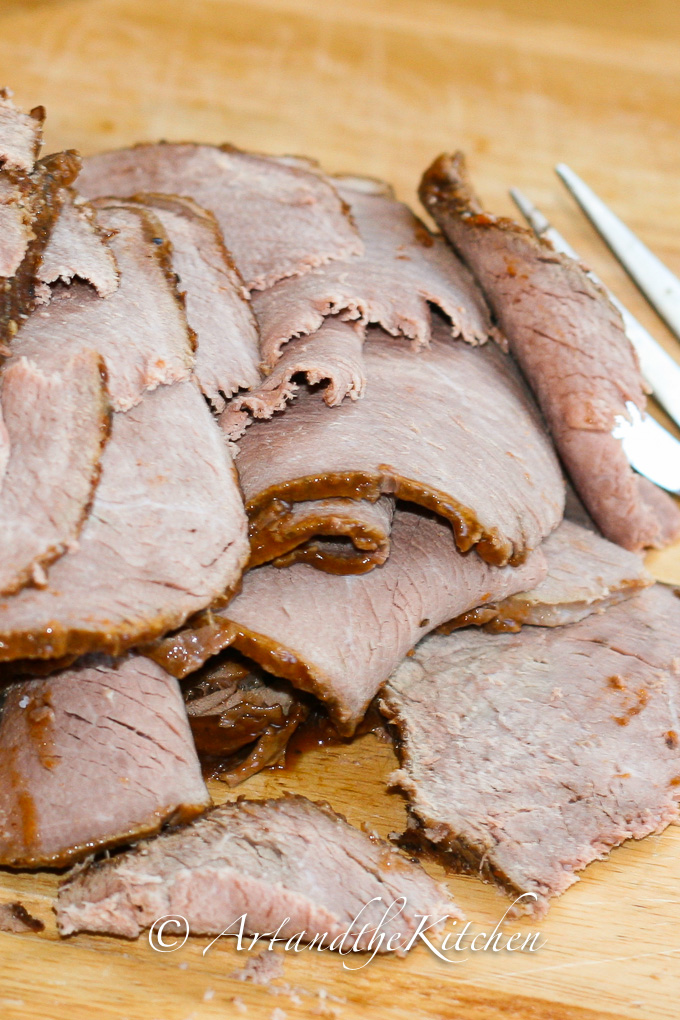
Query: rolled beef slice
point(571, 345)
point(78, 248)
point(528, 756)
point(20, 134)
point(217, 302)
point(140, 330)
point(278, 220)
point(166, 536)
point(586, 574)
point(286, 860)
point(30, 204)
point(340, 536)
point(332, 357)
point(452, 428)
point(57, 424)
point(340, 637)
point(403, 267)
point(94, 756)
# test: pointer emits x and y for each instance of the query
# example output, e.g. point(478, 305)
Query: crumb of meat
point(15, 918)
point(279, 1014)
point(260, 969)
point(239, 1004)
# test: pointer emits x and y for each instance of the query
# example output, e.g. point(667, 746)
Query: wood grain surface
point(380, 88)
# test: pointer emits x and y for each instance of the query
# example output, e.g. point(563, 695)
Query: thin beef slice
point(586, 574)
point(528, 756)
point(452, 428)
point(286, 860)
point(340, 637)
point(278, 220)
point(340, 536)
point(331, 358)
point(78, 248)
point(94, 756)
point(571, 345)
point(403, 267)
point(20, 134)
point(217, 302)
point(166, 537)
point(140, 330)
point(57, 424)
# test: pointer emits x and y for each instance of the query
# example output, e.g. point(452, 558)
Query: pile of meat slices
point(269, 446)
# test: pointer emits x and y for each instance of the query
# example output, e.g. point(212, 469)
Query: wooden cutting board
point(380, 88)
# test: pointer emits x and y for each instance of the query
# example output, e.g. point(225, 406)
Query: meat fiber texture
point(452, 428)
point(340, 637)
point(20, 134)
point(166, 536)
point(340, 536)
point(402, 269)
point(57, 424)
point(78, 248)
point(528, 756)
point(140, 330)
point(331, 357)
point(217, 303)
point(586, 574)
point(277, 219)
point(287, 862)
point(94, 756)
point(571, 345)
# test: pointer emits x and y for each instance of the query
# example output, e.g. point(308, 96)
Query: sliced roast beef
point(57, 424)
point(340, 637)
point(586, 574)
point(97, 755)
point(452, 428)
point(78, 247)
point(340, 536)
point(140, 330)
point(29, 206)
point(20, 134)
point(277, 219)
point(234, 709)
point(332, 357)
point(286, 860)
point(528, 756)
point(166, 537)
point(403, 268)
point(217, 303)
point(571, 345)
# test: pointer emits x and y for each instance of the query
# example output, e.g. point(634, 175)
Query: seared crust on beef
point(57, 423)
point(528, 756)
point(571, 344)
point(94, 756)
point(277, 219)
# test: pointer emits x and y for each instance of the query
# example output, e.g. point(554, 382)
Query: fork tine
point(660, 371)
point(659, 285)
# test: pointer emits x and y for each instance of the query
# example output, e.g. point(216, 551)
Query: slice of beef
point(20, 134)
point(97, 755)
point(403, 267)
point(278, 220)
point(140, 330)
point(528, 756)
point(217, 302)
point(331, 357)
point(31, 203)
point(570, 342)
point(57, 425)
point(233, 709)
point(340, 536)
point(451, 428)
point(287, 862)
point(15, 918)
point(340, 637)
point(586, 574)
point(166, 536)
point(78, 248)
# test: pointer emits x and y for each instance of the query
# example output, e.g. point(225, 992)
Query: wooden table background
point(380, 88)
